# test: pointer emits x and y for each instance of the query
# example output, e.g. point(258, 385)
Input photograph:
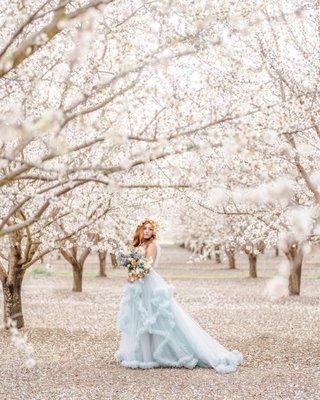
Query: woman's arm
point(151, 251)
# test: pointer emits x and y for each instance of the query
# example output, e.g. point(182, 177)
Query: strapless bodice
point(156, 261)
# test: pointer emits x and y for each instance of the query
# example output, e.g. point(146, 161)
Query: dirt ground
point(74, 335)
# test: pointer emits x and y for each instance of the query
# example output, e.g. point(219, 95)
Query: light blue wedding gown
point(157, 332)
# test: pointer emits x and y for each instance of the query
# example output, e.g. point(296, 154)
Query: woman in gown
point(155, 330)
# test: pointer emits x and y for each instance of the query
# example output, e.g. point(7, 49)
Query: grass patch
point(40, 270)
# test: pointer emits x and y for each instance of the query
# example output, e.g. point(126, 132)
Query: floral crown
point(155, 224)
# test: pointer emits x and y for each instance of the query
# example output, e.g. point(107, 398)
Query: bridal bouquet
point(134, 262)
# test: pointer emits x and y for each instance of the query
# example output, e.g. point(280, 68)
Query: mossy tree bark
point(13, 302)
point(12, 279)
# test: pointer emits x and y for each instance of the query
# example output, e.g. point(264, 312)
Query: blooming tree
point(111, 106)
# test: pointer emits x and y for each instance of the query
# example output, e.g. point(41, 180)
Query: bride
point(155, 330)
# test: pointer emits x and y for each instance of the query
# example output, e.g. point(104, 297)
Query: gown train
point(157, 332)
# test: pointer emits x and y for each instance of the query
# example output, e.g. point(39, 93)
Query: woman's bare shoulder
point(152, 245)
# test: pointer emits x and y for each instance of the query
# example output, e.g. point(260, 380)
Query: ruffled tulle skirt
point(157, 332)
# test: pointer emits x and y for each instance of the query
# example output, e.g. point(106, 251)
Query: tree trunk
point(102, 263)
point(295, 257)
point(77, 270)
point(217, 253)
point(202, 248)
point(77, 265)
point(113, 260)
point(12, 283)
point(261, 246)
point(12, 302)
point(295, 280)
point(252, 265)
point(231, 258)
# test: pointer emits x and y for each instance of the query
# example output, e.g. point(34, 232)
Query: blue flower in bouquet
point(134, 262)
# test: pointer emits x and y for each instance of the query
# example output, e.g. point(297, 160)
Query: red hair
point(138, 235)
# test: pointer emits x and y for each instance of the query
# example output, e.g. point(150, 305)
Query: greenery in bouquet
point(134, 262)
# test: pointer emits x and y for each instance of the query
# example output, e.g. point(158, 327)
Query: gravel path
point(74, 336)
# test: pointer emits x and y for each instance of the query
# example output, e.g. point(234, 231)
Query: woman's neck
point(146, 244)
